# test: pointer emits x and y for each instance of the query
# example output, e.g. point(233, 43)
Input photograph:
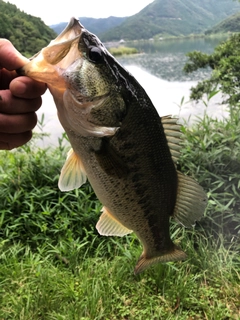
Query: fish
point(119, 143)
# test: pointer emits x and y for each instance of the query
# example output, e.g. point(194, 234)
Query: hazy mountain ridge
point(231, 24)
point(96, 26)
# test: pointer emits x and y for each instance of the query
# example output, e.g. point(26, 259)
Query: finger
point(25, 87)
point(6, 77)
point(11, 141)
point(10, 58)
point(17, 123)
point(10, 104)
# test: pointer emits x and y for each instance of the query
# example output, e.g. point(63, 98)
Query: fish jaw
point(72, 30)
point(51, 62)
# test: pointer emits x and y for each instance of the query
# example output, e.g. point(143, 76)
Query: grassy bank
point(54, 265)
point(37, 285)
point(120, 51)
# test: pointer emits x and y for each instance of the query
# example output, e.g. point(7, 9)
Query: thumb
point(10, 58)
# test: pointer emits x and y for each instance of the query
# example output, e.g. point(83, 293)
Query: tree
point(225, 65)
point(27, 33)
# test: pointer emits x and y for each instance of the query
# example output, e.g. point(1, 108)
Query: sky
point(54, 12)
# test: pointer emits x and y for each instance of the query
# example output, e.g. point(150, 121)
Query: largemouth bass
point(119, 142)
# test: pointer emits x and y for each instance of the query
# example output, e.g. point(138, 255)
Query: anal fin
point(109, 226)
point(191, 201)
point(72, 174)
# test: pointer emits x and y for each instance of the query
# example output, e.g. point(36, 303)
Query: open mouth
point(49, 64)
point(72, 31)
point(59, 48)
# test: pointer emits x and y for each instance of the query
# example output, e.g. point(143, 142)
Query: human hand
point(20, 98)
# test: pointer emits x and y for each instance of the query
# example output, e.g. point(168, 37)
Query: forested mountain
point(173, 17)
point(96, 26)
point(231, 24)
point(28, 34)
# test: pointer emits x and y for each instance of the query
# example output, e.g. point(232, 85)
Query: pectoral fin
point(72, 174)
point(109, 226)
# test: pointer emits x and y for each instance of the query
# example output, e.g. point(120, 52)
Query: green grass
point(54, 265)
point(37, 286)
point(119, 51)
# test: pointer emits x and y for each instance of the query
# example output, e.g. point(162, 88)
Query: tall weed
point(32, 208)
point(211, 153)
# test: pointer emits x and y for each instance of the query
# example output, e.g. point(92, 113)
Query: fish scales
point(136, 165)
point(119, 142)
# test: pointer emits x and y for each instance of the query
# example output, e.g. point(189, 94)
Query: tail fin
point(174, 255)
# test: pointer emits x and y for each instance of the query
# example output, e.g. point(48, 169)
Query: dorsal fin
point(191, 201)
point(173, 135)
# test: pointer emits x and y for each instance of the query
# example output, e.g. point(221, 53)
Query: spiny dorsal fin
point(72, 174)
point(173, 135)
point(191, 201)
point(109, 226)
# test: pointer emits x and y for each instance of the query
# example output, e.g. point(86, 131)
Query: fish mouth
point(73, 30)
point(49, 64)
point(64, 40)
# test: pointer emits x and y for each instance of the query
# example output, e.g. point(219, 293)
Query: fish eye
point(95, 54)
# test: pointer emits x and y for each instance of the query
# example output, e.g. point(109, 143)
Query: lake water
point(159, 69)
